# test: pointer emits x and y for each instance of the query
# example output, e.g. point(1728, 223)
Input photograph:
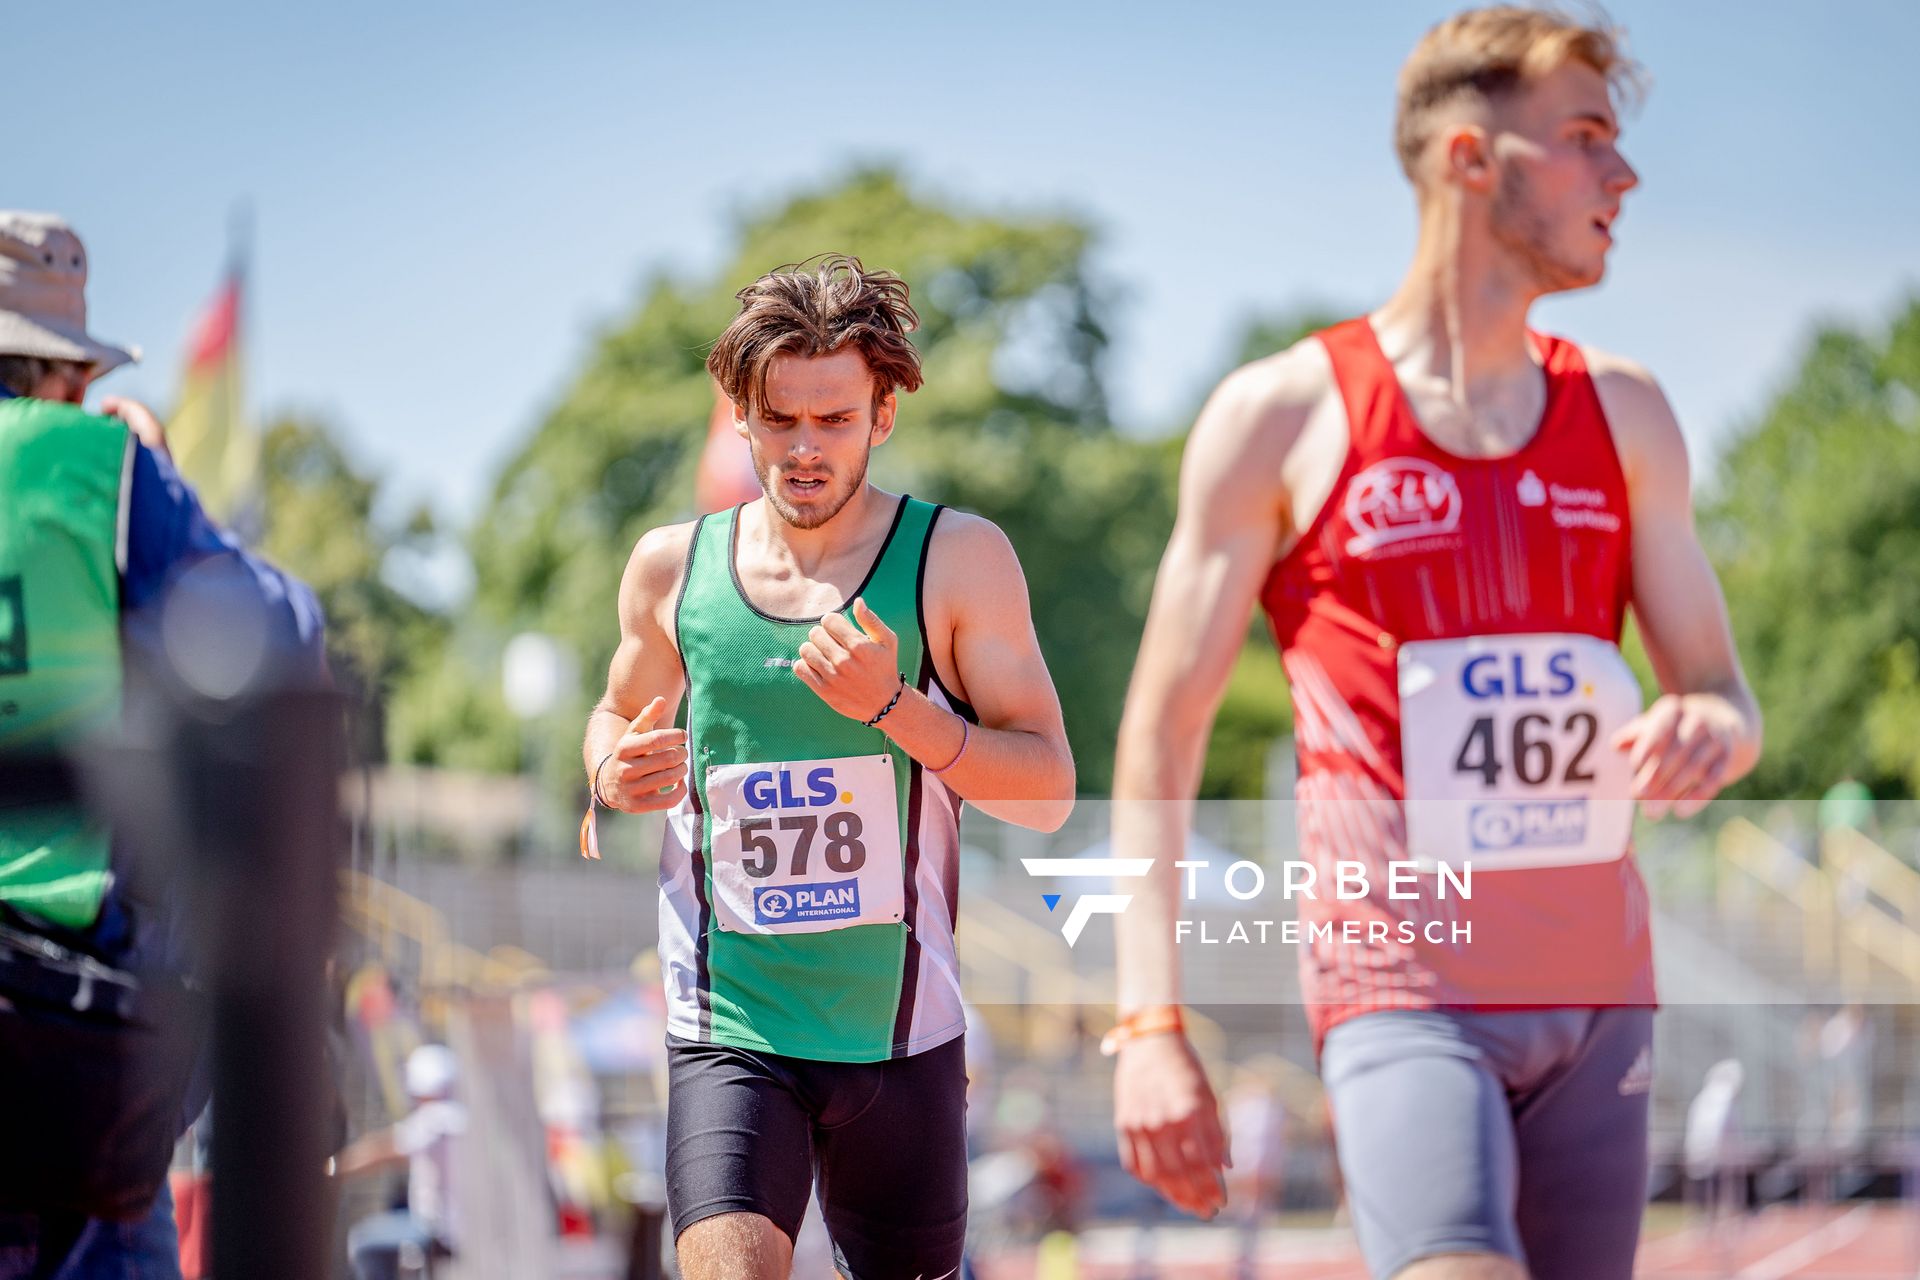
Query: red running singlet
point(1416, 544)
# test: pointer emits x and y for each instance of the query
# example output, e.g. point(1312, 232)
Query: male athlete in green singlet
point(856, 663)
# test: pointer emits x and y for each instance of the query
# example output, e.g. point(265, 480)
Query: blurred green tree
point(1814, 522)
point(1012, 423)
point(319, 523)
point(1265, 334)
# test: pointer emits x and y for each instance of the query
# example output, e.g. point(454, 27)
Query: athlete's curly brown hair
point(815, 308)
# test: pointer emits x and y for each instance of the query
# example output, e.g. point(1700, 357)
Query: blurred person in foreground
point(116, 594)
point(425, 1142)
point(856, 664)
point(1446, 515)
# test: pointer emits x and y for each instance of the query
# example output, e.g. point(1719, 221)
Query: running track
point(1865, 1242)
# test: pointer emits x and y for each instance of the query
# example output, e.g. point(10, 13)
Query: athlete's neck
point(812, 552)
point(1460, 314)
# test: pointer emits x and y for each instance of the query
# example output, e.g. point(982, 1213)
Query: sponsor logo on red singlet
point(1399, 500)
point(1582, 509)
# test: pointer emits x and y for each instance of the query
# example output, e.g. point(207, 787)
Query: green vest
point(859, 993)
point(63, 489)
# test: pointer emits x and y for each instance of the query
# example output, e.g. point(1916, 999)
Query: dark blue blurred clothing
point(62, 1247)
point(167, 534)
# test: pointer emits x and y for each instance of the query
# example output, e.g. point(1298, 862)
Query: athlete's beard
point(818, 514)
point(1523, 230)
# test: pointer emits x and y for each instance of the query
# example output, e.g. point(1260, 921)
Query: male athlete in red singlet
point(1446, 516)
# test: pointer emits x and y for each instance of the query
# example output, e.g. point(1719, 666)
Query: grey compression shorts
point(1521, 1133)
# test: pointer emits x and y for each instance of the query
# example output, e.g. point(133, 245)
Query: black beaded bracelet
point(891, 703)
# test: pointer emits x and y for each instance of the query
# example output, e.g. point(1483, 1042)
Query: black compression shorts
point(749, 1132)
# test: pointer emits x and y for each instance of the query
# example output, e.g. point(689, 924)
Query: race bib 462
point(1504, 748)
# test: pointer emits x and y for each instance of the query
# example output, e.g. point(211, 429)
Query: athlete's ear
point(739, 419)
point(1469, 157)
point(883, 418)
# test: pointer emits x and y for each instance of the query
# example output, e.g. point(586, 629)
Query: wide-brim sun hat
point(43, 294)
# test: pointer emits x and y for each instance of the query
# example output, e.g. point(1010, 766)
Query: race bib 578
point(805, 846)
point(1504, 748)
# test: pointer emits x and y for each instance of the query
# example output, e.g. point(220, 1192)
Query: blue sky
point(449, 199)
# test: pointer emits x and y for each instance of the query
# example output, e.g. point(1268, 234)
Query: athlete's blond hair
point(1489, 53)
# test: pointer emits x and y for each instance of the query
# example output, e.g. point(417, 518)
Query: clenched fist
point(648, 768)
point(855, 670)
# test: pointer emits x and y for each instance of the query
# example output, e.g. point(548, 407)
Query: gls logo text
point(767, 789)
point(1093, 904)
point(1483, 677)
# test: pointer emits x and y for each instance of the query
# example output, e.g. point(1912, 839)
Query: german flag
point(213, 444)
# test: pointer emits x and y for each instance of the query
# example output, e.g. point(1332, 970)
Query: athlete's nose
point(1623, 178)
point(805, 448)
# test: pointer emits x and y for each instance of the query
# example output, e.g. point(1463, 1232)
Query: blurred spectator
point(568, 1104)
point(1257, 1143)
point(1060, 1182)
point(424, 1141)
point(191, 1181)
point(1846, 1049)
point(1713, 1148)
point(1257, 1137)
point(117, 594)
point(982, 1084)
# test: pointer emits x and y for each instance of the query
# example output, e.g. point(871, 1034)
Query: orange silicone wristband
point(1154, 1020)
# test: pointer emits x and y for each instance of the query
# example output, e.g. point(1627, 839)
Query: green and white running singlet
point(809, 881)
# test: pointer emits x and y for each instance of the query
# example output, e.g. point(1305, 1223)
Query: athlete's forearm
point(1156, 772)
point(367, 1153)
point(1015, 775)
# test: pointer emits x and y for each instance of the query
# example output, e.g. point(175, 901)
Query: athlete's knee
point(734, 1246)
point(1463, 1266)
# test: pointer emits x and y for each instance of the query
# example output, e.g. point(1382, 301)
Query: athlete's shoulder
point(964, 538)
point(971, 562)
point(1274, 392)
point(1646, 433)
point(1238, 453)
point(658, 560)
point(1618, 375)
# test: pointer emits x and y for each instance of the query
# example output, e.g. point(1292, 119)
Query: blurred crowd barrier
point(1786, 944)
